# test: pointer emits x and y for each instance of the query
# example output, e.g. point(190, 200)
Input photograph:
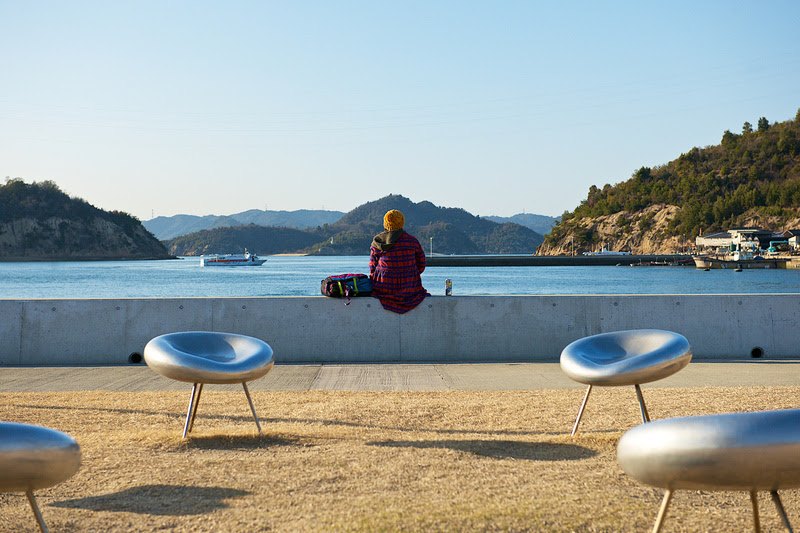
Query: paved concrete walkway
point(434, 376)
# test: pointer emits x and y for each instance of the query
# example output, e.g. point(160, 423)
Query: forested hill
point(538, 223)
point(260, 240)
point(750, 178)
point(40, 222)
point(447, 230)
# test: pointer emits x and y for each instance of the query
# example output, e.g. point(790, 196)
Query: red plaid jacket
point(395, 274)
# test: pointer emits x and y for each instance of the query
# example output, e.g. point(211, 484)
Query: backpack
point(346, 285)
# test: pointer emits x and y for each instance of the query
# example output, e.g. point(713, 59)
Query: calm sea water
point(300, 276)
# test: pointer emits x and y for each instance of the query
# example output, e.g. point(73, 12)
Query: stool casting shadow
point(622, 358)
point(200, 357)
point(35, 457)
point(740, 451)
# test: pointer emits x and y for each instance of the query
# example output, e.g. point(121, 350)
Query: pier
point(551, 260)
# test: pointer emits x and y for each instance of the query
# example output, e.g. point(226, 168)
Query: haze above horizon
point(200, 108)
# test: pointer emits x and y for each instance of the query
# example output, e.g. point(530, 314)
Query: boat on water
point(603, 251)
point(246, 259)
point(739, 262)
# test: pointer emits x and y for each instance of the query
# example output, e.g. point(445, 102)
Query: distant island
point(39, 222)
point(541, 224)
point(165, 228)
point(169, 227)
point(441, 230)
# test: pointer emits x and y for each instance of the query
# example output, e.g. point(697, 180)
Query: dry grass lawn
point(371, 461)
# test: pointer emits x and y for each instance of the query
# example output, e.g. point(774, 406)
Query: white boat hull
point(221, 262)
point(707, 263)
point(247, 259)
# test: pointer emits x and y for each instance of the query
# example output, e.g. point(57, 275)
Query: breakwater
point(551, 260)
point(441, 329)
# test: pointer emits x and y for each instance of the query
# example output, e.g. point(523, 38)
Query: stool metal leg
point(756, 521)
point(580, 412)
point(252, 408)
point(662, 512)
point(645, 414)
point(36, 512)
point(194, 401)
point(781, 510)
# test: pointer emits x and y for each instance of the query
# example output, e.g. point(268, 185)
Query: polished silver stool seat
point(35, 457)
point(200, 357)
point(740, 451)
point(621, 358)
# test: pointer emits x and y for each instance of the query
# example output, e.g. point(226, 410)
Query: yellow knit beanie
point(393, 220)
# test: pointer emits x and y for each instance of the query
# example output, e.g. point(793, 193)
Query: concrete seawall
point(443, 329)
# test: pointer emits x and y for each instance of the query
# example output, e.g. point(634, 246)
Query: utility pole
point(431, 245)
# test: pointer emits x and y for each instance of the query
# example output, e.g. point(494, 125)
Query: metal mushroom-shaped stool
point(200, 357)
point(739, 451)
point(620, 358)
point(35, 457)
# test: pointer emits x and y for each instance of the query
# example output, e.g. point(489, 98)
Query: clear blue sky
point(169, 107)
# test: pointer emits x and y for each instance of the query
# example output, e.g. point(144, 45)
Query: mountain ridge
point(539, 223)
point(446, 230)
point(169, 227)
point(166, 228)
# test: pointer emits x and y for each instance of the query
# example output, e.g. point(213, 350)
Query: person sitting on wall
point(396, 261)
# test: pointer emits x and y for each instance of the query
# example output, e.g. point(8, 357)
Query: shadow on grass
point(237, 442)
point(181, 416)
point(501, 449)
point(159, 500)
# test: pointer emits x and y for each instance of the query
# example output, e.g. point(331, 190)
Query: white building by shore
point(746, 239)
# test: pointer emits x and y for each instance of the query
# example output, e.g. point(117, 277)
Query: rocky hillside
point(39, 222)
point(749, 179)
point(646, 232)
point(642, 232)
